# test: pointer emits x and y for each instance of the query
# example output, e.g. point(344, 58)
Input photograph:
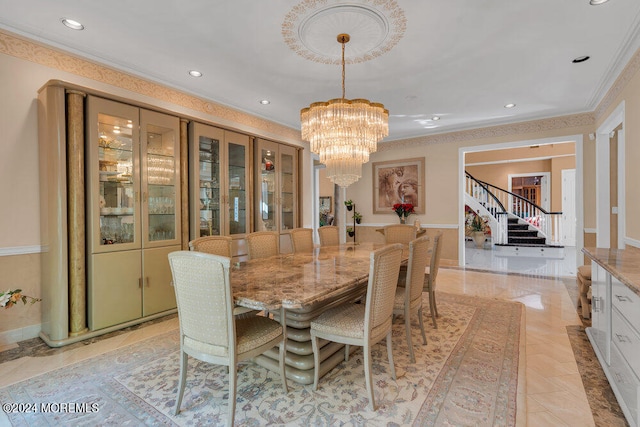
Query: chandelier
point(343, 132)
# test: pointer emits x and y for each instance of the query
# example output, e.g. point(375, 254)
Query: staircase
point(526, 229)
point(523, 234)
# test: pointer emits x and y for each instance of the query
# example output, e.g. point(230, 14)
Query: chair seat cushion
point(251, 332)
point(254, 331)
point(344, 320)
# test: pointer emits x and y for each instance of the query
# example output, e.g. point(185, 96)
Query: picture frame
point(398, 181)
point(326, 203)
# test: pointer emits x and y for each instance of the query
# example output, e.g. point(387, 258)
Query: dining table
point(296, 288)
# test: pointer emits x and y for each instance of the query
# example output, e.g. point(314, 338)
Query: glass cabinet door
point(268, 198)
point(112, 208)
point(237, 180)
point(276, 195)
point(288, 190)
point(160, 169)
point(206, 194)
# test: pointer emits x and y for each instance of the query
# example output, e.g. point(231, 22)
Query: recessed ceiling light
point(70, 23)
point(265, 102)
point(597, 2)
point(195, 73)
point(509, 105)
point(580, 59)
point(435, 118)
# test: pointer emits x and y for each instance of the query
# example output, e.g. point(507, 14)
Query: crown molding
point(47, 56)
point(629, 71)
point(535, 126)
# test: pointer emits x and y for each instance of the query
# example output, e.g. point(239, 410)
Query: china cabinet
point(219, 164)
point(276, 194)
point(114, 181)
point(132, 170)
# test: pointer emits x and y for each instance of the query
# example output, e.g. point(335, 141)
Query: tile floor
point(555, 395)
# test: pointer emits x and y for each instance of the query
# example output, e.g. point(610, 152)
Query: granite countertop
point(296, 281)
point(623, 264)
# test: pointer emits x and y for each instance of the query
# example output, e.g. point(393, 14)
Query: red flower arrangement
point(403, 209)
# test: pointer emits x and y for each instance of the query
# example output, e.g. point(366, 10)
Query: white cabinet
point(133, 219)
point(219, 164)
point(615, 336)
point(276, 193)
point(600, 330)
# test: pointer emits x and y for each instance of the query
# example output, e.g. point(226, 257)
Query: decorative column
point(184, 182)
point(76, 213)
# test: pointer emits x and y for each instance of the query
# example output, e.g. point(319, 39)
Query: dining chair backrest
point(209, 331)
point(302, 240)
point(418, 256)
point(436, 251)
point(381, 289)
point(205, 303)
point(215, 245)
point(399, 233)
point(329, 235)
point(262, 244)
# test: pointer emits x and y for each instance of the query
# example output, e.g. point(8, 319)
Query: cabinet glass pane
point(268, 200)
point(287, 186)
point(161, 183)
point(237, 189)
point(209, 169)
point(116, 181)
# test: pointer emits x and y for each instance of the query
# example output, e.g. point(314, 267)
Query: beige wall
point(627, 89)
point(25, 67)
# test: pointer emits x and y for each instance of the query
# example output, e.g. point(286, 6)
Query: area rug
point(604, 406)
point(467, 374)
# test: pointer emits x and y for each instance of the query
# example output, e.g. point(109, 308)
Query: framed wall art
point(398, 181)
point(325, 204)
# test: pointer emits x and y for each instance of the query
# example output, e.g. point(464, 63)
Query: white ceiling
point(462, 60)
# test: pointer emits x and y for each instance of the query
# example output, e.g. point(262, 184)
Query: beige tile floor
point(554, 392)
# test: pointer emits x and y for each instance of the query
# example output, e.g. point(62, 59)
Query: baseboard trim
point(20, 250)
point(632, 242)
point(16, 335)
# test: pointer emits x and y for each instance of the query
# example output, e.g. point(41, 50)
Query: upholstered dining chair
point(363, 324)
point(302, 240)
point(262, 244)
point(219, 245)
point(399, 233)
point(329, 235)
point(208, 330)
point(431, 275)
point(216, 245)
point(408, 299)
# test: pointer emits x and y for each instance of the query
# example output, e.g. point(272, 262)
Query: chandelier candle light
point(343, 132)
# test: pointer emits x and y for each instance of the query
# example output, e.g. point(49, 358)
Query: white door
point(569, 207)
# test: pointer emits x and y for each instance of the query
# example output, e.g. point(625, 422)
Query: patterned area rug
point(466, 375)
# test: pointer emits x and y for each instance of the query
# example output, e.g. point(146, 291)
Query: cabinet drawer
point(626, 340)
point(625, 385)
point(626, 301)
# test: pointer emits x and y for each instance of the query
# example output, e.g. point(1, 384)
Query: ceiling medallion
point(375, 27)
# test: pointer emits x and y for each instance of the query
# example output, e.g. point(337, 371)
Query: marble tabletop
point(295, 281)
point(623, 264)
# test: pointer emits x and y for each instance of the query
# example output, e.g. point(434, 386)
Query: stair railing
point(547, 223)
point(492, 206)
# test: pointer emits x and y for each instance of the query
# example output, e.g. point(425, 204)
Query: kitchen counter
point(623, 264)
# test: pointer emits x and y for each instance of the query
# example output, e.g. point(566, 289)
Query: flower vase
point(478, 238)
point(403, 220)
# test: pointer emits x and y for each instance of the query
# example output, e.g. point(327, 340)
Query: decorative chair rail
point(494, 199)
